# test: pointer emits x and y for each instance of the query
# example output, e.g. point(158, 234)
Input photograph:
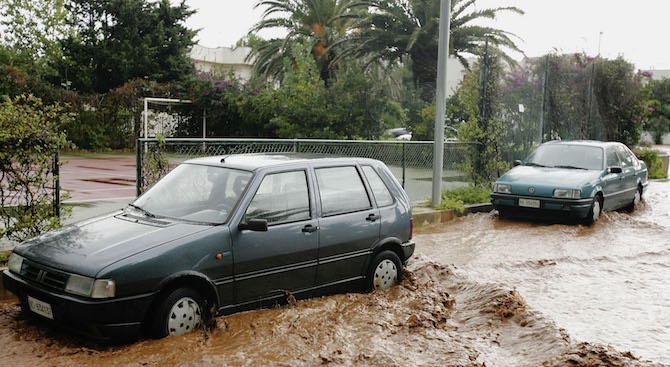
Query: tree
point(319, 24)
point(481, 96)
point(119, 40)
point(408, 31)
point(34, 27)
point(658, 123)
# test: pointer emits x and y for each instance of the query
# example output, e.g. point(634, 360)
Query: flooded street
point(480, 291)
point(606, 284)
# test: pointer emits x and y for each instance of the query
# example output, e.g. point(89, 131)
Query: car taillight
point(411, 228)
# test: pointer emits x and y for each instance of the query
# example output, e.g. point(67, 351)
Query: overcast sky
point(636, 30)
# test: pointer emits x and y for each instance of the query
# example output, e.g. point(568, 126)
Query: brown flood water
point(480, 292)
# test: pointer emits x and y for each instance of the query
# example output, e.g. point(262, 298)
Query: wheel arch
point(392, 244)
point(194, 280)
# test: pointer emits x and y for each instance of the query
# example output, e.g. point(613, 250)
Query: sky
point(636, 30)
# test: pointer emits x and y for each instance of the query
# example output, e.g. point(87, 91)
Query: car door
point(612, 182)
point(283, 258)
point(349, 225)
point(628, 173)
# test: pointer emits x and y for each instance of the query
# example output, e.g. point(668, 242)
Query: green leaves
point(31, 136)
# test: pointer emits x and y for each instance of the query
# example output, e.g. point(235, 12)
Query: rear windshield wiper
point(570, 167)
point(146, 212)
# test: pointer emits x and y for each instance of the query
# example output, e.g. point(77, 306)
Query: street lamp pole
point(441, 102)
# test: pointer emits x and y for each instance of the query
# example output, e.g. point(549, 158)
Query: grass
point(457, 199)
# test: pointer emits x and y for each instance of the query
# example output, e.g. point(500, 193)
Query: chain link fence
point(410, 161)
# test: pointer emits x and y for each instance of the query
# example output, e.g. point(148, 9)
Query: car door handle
point(373, 217)
point(310, 228)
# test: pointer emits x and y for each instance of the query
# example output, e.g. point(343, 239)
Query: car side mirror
point(517, 163)
point(614, 169)
point(258, 225)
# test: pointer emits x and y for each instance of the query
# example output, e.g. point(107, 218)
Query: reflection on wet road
point(608, 283)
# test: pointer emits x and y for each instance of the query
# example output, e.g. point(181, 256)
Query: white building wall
point(223, 60)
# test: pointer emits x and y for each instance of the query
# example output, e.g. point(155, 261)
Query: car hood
point(551, 177)
point(87, 247)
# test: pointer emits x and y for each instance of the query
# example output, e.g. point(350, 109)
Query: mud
point(480, 291)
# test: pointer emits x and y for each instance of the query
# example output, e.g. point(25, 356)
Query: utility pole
point(441, 102)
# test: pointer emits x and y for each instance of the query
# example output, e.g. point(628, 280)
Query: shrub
point(30, 137)
point(457, 199)
point(654, 163)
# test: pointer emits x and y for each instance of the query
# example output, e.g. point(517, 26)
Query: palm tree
point(319, 23)
point(408, 31)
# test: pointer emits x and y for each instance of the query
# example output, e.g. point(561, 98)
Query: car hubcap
point(386, 275)
point(184, 316)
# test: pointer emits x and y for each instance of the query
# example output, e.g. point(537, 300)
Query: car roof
point(593, 143)
point(253, 161)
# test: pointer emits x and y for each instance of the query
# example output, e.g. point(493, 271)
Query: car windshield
point(567, 156)
point(196, 193)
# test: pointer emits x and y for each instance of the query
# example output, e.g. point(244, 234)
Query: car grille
point(49, 278)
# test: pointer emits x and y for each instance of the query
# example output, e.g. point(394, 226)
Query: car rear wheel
point(385, 271)
point(181, 311)
point(595, 211)
point(636, 200)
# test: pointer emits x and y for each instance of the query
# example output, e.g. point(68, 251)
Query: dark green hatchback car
point(215, 236)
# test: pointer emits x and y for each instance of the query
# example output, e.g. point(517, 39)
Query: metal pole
point(56, 174)
point(441, 102)
point(138, 164)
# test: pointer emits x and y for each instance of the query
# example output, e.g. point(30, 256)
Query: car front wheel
point(594, 212)
point(181, 311)
point(385, 271)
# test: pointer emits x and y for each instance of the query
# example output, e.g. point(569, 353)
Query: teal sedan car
point(572, 179)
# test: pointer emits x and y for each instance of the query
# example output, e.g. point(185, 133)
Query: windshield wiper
point(534, 164)
point(570, 167)
point(146, 212)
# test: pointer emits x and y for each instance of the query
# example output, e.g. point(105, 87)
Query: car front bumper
point(548, 207)
point(104, 319)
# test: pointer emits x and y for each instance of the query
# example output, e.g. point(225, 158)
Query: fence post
point(404, 145)
point(56, 173)
point(138, 164)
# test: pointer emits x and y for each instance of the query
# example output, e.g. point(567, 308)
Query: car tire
point(636, 200)
point(179, 312)
point(595, 211)
point(385, 271)
point(503, 213)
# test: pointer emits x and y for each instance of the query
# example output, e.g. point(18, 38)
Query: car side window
point(379, 190)
point(612, 158)
point(341, 190)
point(627, 159)
point(281, 197)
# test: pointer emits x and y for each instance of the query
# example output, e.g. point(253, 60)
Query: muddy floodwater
point(480, 291)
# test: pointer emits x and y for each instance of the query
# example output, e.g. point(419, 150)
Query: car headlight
point(502, 188)
point(89, 287)
point(567, 194)
point(15, 263)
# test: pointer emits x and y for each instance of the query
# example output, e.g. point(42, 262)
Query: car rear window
point(379, 190)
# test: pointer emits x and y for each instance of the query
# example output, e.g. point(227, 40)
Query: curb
point(424, 217)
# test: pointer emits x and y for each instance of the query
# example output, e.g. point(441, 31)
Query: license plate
point(40, 308)
point(529, 203)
